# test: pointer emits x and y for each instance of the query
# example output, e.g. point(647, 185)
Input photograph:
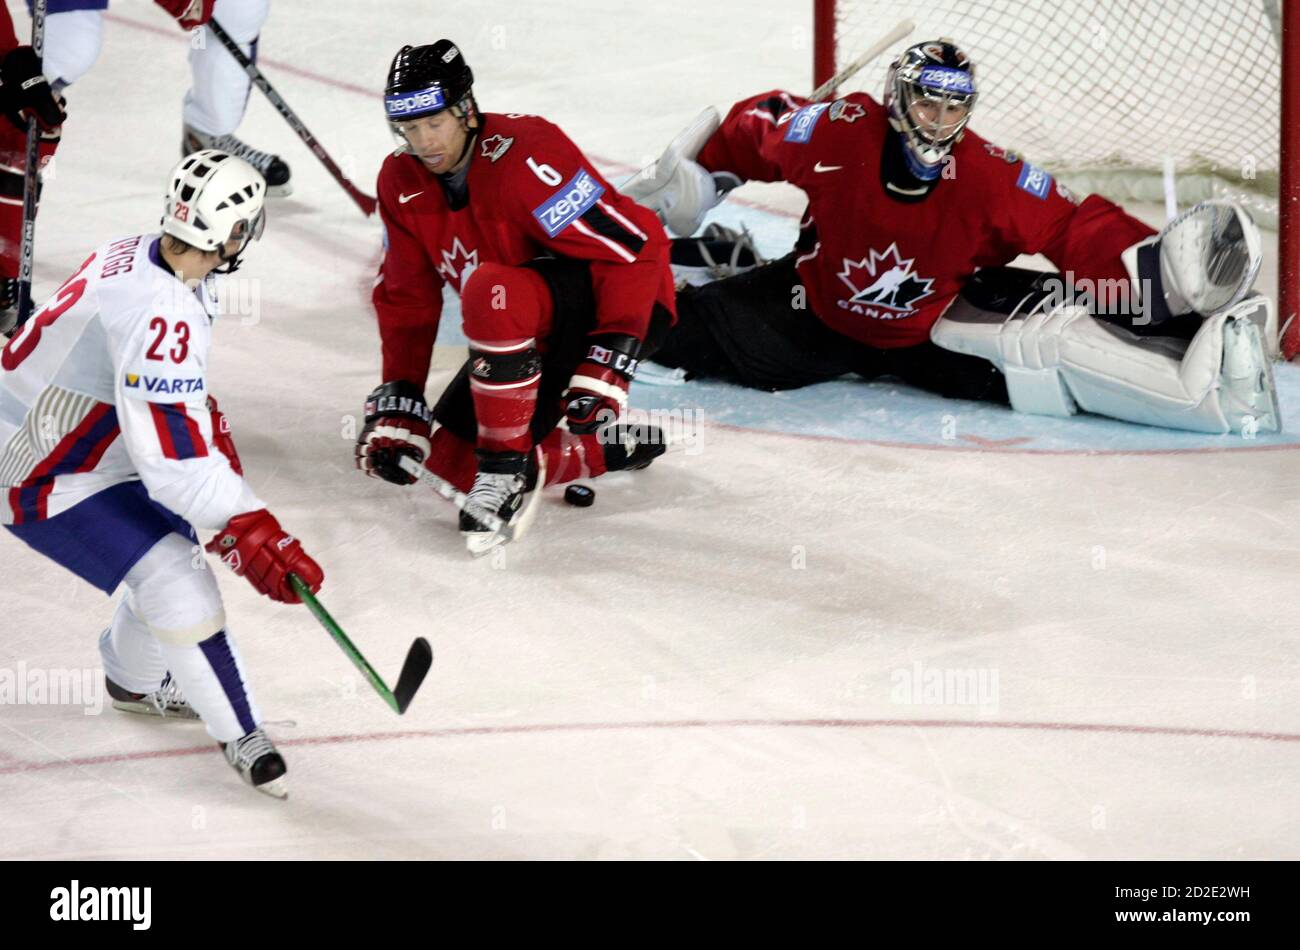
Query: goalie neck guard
point(929, 94)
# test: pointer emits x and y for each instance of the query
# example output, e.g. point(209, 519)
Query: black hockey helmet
point(939, 75)
point(426, 80)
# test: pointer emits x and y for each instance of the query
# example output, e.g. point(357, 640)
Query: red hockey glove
point(189, 13)
point(25, 92)
point(597, 392)
point(398, 423)
point(254, 546)
point(221, 437)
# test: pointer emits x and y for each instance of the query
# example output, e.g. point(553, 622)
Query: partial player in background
point(215, 104)
point(24, 93)
point(900, 266)
point(564, 285)
point(112, 452)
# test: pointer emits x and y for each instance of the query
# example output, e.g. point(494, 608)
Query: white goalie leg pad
point(1062, 360)
point(676, 187)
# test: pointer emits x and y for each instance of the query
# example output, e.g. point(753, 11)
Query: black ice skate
point(629, 448)
point(165, 702)
point(273, 168)
point(255, 759)
point(505, 486)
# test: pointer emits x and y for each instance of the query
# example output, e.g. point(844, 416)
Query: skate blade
point(276, 788)
point(147, 709)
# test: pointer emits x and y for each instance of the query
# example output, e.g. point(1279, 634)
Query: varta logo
point(160, 385)
point(569, 203)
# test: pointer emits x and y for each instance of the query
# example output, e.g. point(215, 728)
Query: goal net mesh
point(1105, 94)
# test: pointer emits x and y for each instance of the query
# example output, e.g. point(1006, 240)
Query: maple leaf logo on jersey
point(457, 264)
point(495, 146)
point(843, 110)
point(885, 280)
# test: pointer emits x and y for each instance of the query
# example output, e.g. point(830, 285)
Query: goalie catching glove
point(255, 547)
point(398, 423)
point(597, 392)
point(1204, 261)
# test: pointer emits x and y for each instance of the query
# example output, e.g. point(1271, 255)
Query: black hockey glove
point(24, 91)
point(398, 423)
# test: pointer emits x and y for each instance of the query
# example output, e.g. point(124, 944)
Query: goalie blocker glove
point(597, 392)
point(255, 547)
point(398, 423)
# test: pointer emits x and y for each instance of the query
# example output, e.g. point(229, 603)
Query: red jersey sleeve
point(763, 137)
point(570, 210)
point(407, 296)
point(1040, 216)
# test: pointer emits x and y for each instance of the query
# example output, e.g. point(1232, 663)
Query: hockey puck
point(580, 496)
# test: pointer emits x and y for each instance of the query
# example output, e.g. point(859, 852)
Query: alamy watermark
point(39, 686)
point(921, 685)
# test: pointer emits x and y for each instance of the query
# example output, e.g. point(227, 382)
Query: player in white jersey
point(216, 101)
point(112, 454)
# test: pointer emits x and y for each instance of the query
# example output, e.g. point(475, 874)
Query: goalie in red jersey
point(564, 284)
point(901, 270)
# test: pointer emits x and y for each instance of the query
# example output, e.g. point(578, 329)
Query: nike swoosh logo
point(819, 167)
point(403, 199)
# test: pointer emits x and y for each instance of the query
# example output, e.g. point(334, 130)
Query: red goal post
point(1105, 94)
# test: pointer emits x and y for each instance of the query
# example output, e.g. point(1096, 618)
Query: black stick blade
point(416, 667)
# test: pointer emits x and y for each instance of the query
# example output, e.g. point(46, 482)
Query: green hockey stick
point(418, 659)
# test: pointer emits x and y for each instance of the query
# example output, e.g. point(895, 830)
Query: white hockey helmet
point(215, 196)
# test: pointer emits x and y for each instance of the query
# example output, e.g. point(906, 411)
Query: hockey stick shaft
point(363, 201)
point(903, 29)
point(457, 497)
point(418, 659)
point(31, 180)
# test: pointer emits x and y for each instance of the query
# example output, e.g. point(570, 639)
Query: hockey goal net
point(1120, 97)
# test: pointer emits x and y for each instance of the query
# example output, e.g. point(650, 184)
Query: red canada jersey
point(532, 194)
point(880, 270)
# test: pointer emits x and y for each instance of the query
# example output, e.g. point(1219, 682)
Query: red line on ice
point(558, 727)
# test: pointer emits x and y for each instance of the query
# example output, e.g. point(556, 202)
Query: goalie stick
point(904, 28)
point(31, 180)
point(418, 659)
point(366, 203)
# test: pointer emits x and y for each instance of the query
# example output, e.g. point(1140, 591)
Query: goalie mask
point(215, 197)
point(929, 93)
point(426, 80)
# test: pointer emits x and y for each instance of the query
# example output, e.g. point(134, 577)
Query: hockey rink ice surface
point(850, 621)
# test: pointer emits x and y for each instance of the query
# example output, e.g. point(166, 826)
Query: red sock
point(452, 458)
point(506, 310)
